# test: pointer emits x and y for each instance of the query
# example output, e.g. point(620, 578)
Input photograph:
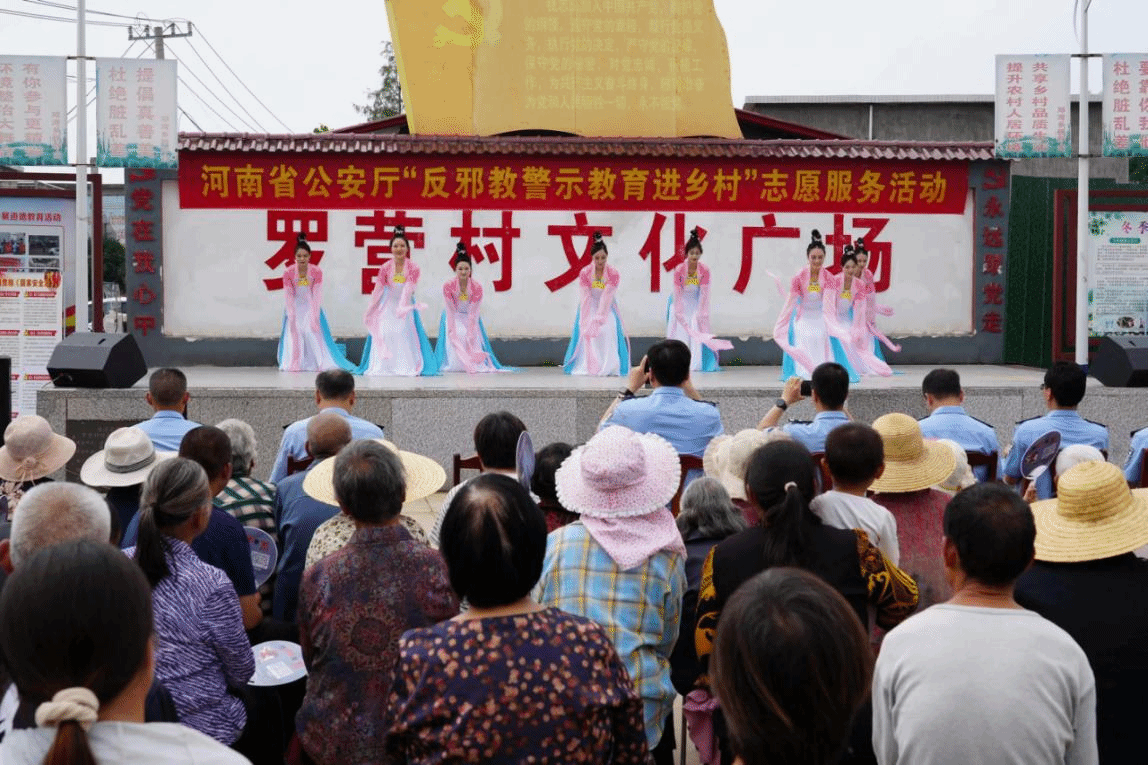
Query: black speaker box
point(94, 360)
point(1121, 362)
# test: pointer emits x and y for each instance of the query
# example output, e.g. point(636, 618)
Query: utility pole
point(160, 32)
point(83, 273)
point(1083, 282)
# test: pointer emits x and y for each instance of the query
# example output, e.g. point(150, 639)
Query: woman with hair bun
point(598, 345)
point(76, 636)
point(203, 655)
point(397, 344)
point(849, 295)
point(305, 342)
point(688, 310)
point(865, 325)
point(806, 322)
point(462, 342)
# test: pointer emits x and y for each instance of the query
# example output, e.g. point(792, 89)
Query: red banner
point(326, 181)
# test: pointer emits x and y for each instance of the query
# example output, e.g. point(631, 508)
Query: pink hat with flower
point(619, 474)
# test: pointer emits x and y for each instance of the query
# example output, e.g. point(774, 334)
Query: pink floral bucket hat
point(619, 474)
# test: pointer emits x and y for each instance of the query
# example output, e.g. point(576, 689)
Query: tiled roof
point(702, 148)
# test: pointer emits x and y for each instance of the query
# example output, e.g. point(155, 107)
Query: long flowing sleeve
point(781, 327)
point(473, 316)
point(679, 290)
point(317, 299)
point(374, 305)
point(704, 298)
point(606, 304)
point(290, 276)
point(406, 301)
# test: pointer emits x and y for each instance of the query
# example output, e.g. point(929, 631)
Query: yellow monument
point(636, 68)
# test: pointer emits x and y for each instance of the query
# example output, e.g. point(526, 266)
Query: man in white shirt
point(978, 680)
point(855, 454)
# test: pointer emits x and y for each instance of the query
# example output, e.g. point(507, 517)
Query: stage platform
point(436, 415)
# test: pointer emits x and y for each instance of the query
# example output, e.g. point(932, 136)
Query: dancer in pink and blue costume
point(598, 345)
point(688, 310)
point(305, 342)
point(462, 342)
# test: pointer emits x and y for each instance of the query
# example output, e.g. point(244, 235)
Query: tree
point(387, 101)
point(115, 263)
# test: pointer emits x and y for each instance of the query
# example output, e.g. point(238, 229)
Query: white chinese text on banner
point(1125, 105)
point(1032, 107)
point(135, 113)
point(33, 110)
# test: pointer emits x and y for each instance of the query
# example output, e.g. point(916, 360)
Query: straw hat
point(911, 462)
point(424, 476)
point(31, 450)
point(619, 474)
point(962, 476)
point(126, 459)
point(726, 457)
point(1094, 516)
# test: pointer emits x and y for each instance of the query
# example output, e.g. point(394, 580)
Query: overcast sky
point(310, 61)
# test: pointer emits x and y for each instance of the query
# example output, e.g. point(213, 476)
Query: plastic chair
point(688, 462)
point(469, 463)
point(298, 465)
point(824, 476)
point(989, 461)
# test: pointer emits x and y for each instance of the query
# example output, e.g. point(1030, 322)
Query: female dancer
point(803, 326)
point(872, 310)
point(598, 345)
point(397, 343)
point(849, 297)
point(305, 342)
point(462, 342)
point(688, 310)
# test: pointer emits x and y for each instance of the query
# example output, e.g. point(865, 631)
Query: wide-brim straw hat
point(31, 450)
point(127, 458)
point(424, 476)
point(619, 474)
point(911, 462)
point(1095, 515)
point(727, 457)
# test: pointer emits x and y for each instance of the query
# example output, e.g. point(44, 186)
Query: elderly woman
point(707, 516)
point(623, 563)
point(202, 651)
point(31, 452)
point(557, 710)
point(780, 481)
point(353, 606)
point(791, 668)
point(249, 500)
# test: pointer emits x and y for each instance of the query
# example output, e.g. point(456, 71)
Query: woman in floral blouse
point(509, 680)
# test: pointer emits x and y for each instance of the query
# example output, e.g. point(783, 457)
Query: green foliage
point(321, 129)
point(1138, 170)
point(387, 100)
point(115, 263)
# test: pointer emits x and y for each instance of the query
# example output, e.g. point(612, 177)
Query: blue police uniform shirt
point(1132, 464)
point(297, 516)
point(813, 434)
point(1073, 429)
point(294, 442)
point(167, 429)
point(954, 423)
point(668, 412)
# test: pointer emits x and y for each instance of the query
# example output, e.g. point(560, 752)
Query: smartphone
point(806, 388)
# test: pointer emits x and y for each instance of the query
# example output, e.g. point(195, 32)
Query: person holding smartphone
point(829, 389)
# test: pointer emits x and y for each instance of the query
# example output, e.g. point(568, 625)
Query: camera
point(806, 388)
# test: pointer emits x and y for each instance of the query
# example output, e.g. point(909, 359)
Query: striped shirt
point(639, 608)
point(201, 647)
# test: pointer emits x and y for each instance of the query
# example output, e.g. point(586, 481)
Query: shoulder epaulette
point(1094, 422)
point(1030, 419)
point(1133, 433)
point(982, 422)
point(801, 422)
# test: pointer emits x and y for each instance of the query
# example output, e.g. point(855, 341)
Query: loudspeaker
point(1121, 362)
point(94, 360)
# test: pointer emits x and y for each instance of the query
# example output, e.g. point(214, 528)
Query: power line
point(222, 85)
point(45, 17)
point(209, 106)
point(241, 82)
point(222, 103)
point(66, 7)
point(190, 118)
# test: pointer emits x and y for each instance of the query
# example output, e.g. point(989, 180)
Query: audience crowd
point(809, 593)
